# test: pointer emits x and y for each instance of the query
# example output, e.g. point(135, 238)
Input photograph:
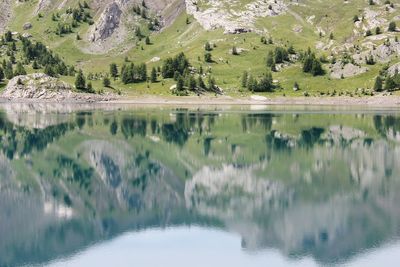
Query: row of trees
point(391, 28)
point(265, 84)
point(80, 83)
point(178, 64)
point(34, 53)
point(42, 57)
point(78, 15)
point(280, 55)
point(312, 64)
point(131, 73)
point(386, 81)
point(177, 67)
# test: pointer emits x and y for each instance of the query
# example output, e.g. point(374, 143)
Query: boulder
point(27, 26)
point(40, 86)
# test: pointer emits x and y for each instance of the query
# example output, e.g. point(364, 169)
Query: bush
point(392, 26)
point(207, 57)
point(106, 82)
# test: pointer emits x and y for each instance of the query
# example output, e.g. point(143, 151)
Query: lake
point(207, 186)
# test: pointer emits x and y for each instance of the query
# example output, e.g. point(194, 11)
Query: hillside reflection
point(318, 184)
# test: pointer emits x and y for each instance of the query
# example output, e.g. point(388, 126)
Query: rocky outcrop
point(108, 22)
point(38, 85)
point(394, 69)
point(380, 53)
point(116, 19)
point(43, 4)
point(339, 70)
point(233, 16)
point(41, 86)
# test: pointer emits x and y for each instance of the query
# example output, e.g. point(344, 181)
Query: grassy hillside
point(327, 27)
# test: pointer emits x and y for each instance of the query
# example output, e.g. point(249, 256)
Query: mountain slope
point(350, 38)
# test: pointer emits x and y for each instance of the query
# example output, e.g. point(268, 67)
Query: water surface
point(199, 187)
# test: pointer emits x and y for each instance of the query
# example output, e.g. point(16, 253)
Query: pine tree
point(252, 84)
point(147, 41)
point(244, 79)
point(392, 26)
point(234, 51)
point(1, 74)
point(113, 70)
point(106, 82)
point(20, 70)
point(89, 87)
point(317, 69)
point(265, 84)
point(153, 75)
point(211, 83)
point(180, 83)
point(138, 33)
point(191, 82)
point(80, 82)
point(281, 55)
point(378, 84)
point(142, 72)
point(390, 84)
point(208, 57)
point(200, 83)
point(125, 74)
point(12, 58)
point(49, 70)
point(8, 71)
point(270, 59)
point(71, 71)
point(273, 67)
point(35, 65)
point(8, 37)
point(291, 50)
point(308, 63)
point(207, 46)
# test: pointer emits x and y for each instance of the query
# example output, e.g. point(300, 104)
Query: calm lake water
point(245, 186)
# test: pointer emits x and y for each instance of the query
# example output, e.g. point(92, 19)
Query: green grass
point(331, 16)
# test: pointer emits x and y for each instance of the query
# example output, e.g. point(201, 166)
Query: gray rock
point(27, 26)
point(108, 22)
point(39, 86)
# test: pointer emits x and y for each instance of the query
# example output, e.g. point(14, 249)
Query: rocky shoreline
point(39, 87)
point(378, 101)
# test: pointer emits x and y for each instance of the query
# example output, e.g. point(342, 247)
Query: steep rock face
point(108, 22)
point(115, 20)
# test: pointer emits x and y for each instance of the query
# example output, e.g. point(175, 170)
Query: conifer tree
point(80, 82)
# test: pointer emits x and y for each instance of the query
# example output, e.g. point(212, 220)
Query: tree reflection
point(317, 185)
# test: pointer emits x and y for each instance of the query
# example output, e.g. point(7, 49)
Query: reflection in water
point(319, 188)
